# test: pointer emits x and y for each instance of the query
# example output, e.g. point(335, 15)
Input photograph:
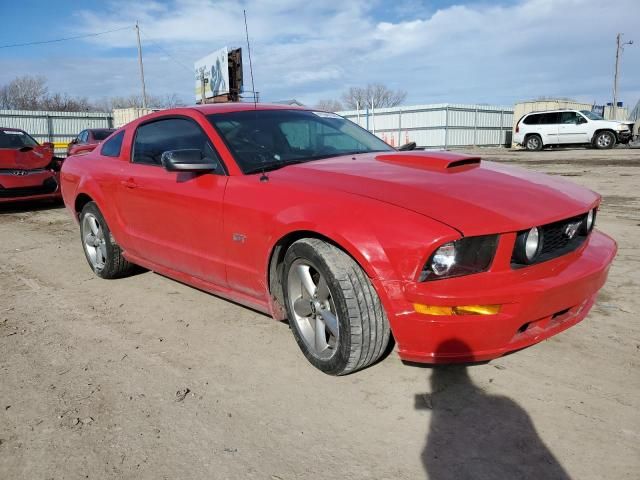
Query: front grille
point(48, 186)
point(555, 241)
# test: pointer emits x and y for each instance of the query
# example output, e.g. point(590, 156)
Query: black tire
point(604, 140)
point(357, 305)
point(533, 143)
point(115, 265)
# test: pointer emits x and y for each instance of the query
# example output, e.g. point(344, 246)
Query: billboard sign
point(214, 68)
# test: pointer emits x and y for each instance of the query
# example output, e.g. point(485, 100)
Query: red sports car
point(28, 171)
point(87, 140)
point(306, 216)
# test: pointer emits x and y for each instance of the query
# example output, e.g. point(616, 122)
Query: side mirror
point(74, 141)
point(407, 146)
point(188, 160)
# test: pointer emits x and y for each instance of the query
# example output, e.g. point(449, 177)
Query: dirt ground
point(93, 375)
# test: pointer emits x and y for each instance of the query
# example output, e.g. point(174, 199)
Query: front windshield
point(268, 139)
point(15, 139)
point(591, 115)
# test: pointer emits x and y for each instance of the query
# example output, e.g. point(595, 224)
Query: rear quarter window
point(531, 120)
point(112, 147)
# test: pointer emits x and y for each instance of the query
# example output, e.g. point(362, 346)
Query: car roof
point(555, 111)
point(12, 129)
point(101, 129)
point(209, 109)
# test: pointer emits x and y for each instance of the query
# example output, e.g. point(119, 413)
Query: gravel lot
point(147, 378)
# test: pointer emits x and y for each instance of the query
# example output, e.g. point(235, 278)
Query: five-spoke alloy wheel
point(94, 242)
point(103, 254)
point(334, 311)
point(313, 309)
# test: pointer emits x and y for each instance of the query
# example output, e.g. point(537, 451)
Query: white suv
point(537, 130)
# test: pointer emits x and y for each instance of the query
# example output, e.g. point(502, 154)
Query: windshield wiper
point(268, 167)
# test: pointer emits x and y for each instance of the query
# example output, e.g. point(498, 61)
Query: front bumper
point(28, 185)
point(624, 136)
point(537, 302)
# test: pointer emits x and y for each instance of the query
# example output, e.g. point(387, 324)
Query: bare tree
point(169, 100)
point(376, 95)
point(329, 105)
point(24, 93)
point(31, 93)
point(62, 102)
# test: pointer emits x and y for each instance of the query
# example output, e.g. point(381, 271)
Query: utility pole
point(144, 90)
point(619, 50)
point(373, 117)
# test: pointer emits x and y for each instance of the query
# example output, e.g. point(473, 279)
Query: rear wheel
point(604, 140)
point(103, 254)
point(533, 143)
point(335, 314)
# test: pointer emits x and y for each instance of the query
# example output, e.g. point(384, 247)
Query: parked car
point(306, 216)
point(87, 140)
point(28, 170)
point(537, 130)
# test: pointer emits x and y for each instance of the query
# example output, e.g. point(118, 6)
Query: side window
point(155, 138)
point(568, 117)
point(84, 136)
point(532, 120)
point(550, 118)
point(112, 147)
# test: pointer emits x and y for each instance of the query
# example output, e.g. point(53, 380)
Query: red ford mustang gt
point(306, 216)
point(28, 170)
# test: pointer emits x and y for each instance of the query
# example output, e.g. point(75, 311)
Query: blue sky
point(438, 51)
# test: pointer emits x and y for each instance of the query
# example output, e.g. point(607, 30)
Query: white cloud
point(484, 52)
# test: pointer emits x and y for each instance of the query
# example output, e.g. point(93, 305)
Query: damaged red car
point(307, 217)
point(28, 170)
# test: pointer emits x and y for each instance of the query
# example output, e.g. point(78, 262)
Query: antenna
point(253, 88)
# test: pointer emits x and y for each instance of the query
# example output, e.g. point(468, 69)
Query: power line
point(63, 39)
point(189, 69)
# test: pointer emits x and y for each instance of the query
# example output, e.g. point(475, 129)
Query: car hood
point(27, 158)
point(471, 196)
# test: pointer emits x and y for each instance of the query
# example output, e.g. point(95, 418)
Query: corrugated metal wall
point(439, 125)
point(57, 127)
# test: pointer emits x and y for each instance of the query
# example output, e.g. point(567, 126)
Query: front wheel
point(604, 140)
point(103, 254)
point(335, 314)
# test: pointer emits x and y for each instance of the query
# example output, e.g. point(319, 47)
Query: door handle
point(129, 183)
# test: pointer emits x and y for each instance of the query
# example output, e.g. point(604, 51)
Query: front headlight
point(528, 246)
point(462, 257)
point(589, 221)
point(621, 127)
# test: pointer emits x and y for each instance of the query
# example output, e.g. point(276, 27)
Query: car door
point(548, 128)
point(573, 128)
point(173, 219)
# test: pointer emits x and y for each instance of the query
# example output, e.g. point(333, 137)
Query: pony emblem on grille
point(571, 229)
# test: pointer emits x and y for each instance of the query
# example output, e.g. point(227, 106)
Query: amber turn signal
point(457, 310)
